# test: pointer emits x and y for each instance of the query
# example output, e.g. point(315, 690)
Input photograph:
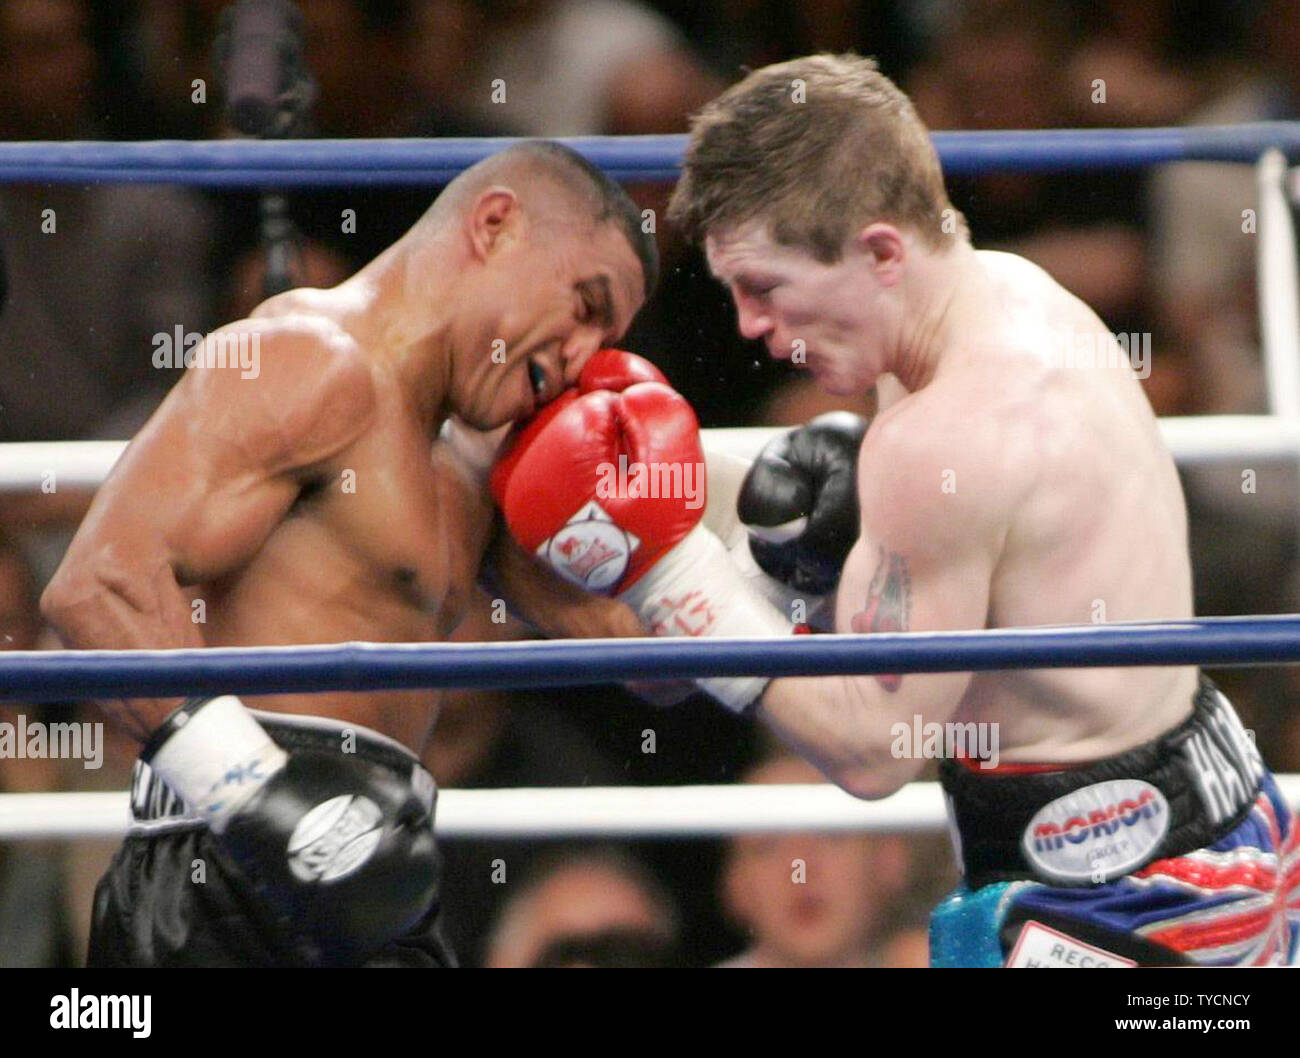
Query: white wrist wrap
point(695, 590)
point(217, 759)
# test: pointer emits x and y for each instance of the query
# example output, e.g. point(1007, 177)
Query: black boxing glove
point(340, 850)
point(799, 502)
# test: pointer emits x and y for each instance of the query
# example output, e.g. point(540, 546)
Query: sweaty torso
point(1091, 525)
point(380, 545)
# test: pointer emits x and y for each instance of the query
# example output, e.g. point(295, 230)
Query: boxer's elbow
point(875, 779)
point(872, 762)
point(86, 600)
point(71, 600)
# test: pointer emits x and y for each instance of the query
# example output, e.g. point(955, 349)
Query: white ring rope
point(579, 812)
point(29, 466)
point(1278, 280)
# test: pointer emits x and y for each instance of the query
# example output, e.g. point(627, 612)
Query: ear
point(493, 210)
point(884, 244)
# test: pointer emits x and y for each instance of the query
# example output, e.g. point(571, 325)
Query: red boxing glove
point(607, 478)
point(608, 488)
point(615, 370)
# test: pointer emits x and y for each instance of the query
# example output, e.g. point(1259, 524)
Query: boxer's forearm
point(553, 606)
point(128, 610)
point(842, 724)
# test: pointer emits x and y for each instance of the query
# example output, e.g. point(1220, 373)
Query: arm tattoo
point(889, 604)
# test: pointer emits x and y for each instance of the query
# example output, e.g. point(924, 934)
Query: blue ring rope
point(53, 675)
point(398, 162)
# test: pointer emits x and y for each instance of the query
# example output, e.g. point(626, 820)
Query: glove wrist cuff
point(695, 591)
point(214, 755)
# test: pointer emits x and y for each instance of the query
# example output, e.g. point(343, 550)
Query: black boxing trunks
point(172, 898)
point(1178, 852)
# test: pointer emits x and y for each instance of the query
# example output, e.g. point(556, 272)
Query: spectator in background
point(86, 860)
point(49, 69)
point(317, 265)
point(1204, 245)
point(165, 46)
point(574, 67)
point(358, 54)
point(494, 739)
point(998, 66)
point(1156, 59)
point(46, 887)
point(34, 926)
point(574, 737)
point(733, 34)
point(598, 907)
point(818, 900)
point(94, 272)
point(357, 50)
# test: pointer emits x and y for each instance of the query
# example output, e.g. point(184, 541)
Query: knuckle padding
point(808, 472)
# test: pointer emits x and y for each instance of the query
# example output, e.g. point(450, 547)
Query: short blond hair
point(817, 148)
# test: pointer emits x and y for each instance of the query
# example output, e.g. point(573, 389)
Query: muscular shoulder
point(948, 463)
point(306, 393)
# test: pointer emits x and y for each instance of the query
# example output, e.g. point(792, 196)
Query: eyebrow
point(751, 281)
point(600, 285)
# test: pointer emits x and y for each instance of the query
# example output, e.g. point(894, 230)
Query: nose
point(574, 354)
point(751, 320)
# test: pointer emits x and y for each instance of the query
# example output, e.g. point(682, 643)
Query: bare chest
point(381, 545)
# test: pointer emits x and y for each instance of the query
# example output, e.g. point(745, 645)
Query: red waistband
point(1018, 768)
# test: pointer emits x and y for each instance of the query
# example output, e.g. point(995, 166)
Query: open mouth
point(537, 379)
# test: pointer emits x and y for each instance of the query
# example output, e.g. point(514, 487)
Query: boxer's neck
point(407, 296)
point(943, 290)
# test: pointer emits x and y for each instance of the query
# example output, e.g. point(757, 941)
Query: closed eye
point(596, 302)
point(757, 290)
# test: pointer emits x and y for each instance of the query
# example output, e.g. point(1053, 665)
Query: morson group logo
point(590, 550)
point(1098, 832)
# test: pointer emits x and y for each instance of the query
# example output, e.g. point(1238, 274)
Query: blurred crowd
point(94, 271)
